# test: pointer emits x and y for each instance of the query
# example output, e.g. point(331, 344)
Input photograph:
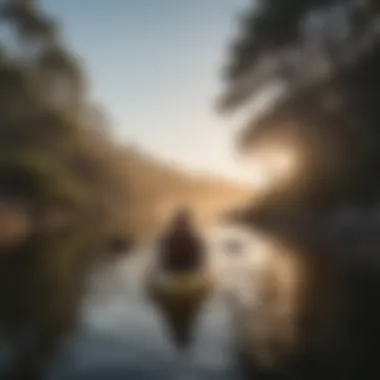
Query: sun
point(272, 166)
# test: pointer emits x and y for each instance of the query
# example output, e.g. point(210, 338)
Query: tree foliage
point(323, 56)
point(291, 40)
point(45, 106)
point(58, 167)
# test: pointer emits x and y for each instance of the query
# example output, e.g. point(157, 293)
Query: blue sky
point(155, 65)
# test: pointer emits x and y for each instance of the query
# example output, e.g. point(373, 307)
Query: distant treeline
point(57, 153)
point(156, 188)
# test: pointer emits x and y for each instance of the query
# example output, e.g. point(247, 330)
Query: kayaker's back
point(182, 249)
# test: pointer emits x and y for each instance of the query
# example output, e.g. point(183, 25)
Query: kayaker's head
point(183, 219)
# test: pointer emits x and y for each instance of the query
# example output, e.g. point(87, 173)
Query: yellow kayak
point(180, 283)
point(179, 298)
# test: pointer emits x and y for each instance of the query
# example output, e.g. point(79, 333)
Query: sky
point(156, 65)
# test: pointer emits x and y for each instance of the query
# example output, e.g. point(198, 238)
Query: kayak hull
point(180, 298)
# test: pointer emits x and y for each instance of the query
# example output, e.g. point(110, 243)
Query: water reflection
point(124, 337)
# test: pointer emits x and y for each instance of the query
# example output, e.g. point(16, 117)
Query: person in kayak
point(182, 249)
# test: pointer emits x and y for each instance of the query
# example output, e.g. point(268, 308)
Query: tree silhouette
point(60, 170)
point(323, 56)
point(45, 102)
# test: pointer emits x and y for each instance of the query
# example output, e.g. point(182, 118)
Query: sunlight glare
point(271, 166)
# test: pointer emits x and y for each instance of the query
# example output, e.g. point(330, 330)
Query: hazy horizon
point(156, 65)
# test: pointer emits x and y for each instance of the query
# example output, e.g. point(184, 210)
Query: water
point(124, 338)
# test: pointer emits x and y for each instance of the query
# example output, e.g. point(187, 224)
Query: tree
point(62, 173)
point(323, 55)
point(282, 37)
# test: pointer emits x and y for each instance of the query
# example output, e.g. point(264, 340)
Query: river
point(123, 337)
